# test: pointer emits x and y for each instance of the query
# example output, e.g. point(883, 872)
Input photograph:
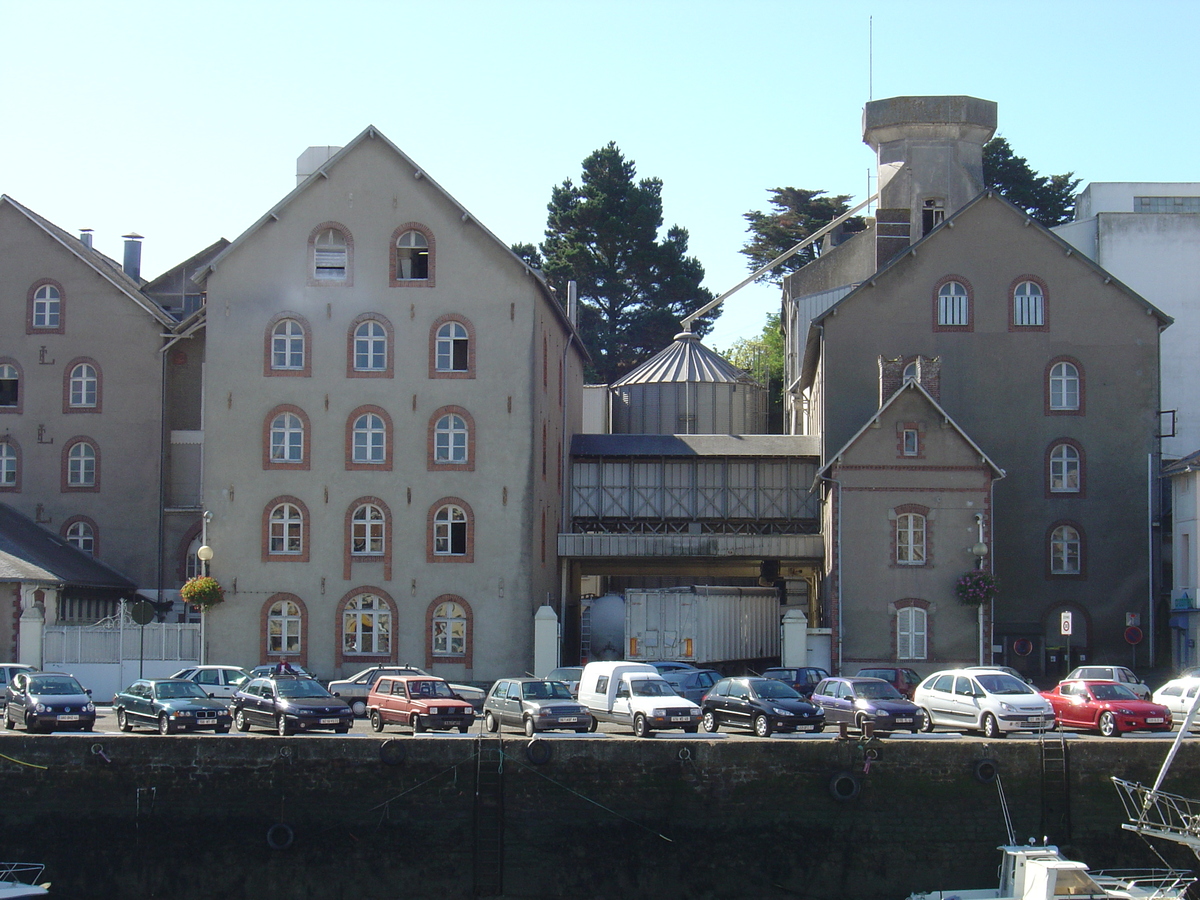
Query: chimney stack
point(85, 235)
point(133, 256)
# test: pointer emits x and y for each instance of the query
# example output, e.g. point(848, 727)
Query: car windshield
point(545, 690)
point(300, 687)
point(430, 689)
point(1113, 692)
point(54, 684)
point(1000, 683)
point(775, 690)
point(175, 690)
point(651, 687)
point(870, 690)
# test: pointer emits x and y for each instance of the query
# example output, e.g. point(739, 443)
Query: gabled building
point(387, 394)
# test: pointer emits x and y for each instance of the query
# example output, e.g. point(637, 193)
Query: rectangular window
point(1166, 204)
point(912, 443)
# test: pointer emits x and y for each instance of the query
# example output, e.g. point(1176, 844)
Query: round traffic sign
point(1133, 635)
point(142, 612)
point(1022, 646)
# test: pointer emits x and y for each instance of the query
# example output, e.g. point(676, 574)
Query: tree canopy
point(762, 357)
point(796, 214)
point(1049, 199)
point(634, 288)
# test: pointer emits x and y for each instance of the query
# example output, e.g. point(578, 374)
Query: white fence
point(112, 653)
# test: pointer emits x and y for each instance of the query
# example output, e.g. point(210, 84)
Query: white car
point(1111, 673)
point(216, 681)
point(1178, 695)
point(992, 702)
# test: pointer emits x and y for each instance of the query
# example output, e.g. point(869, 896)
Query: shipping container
point(702, 624)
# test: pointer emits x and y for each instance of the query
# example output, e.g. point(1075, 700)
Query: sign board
point(142, 612)
point(1133, 635)
point(1064, 621)
point(1132, 620)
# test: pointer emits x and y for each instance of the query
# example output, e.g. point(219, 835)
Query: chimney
point(312, 159)
point(133, 256)
point(85, 235)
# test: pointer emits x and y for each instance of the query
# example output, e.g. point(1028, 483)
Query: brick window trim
point(1082, 387)
point(266, 657)
point(393, 281)
point(365, 659)
point(349, 557)
point(919, 428)
point(388, 440)
point(433, 330)
point(305, 447)
point(62, 308)
point(1081, 575)
point(67, 408)
point(1045, 326)
point(15, 487)
point(467, 659)
point(431, 463)
point(91, 523)
point(469, 556)
point(905, 509)
point(65, 466)
point(20, 407)
point(312, 279)
point(389, 332)
point(938, 285)
point(181, 550)
point(305, 531)
point(1080, 494)
point(912, 603)
point(306, 371)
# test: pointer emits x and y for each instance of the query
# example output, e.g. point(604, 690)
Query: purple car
point(857, 701)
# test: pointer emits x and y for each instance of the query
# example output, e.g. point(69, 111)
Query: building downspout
point(1150, 555)
point(564, 460)
point(837, 566)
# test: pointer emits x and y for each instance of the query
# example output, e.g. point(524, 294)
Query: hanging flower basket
point(975, 588)
point(203, 592)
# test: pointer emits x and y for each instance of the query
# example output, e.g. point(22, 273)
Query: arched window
point(450, 531)
point(83, 387)
point(82, 536)
point(47, 307)
point(10, 462)
point(912, 371)
point(10, 388)
point(287, 438)
point(452, 348)
point(1028, 305)
point(450, 438)
point(1064, 386)
point(1066, 550)
point(367, 531)
point(953, 307)
point(912, 633)
point(286, 530)
point(287, 346)
point(449, 630)
point(1066, 471)
point(370, 440)
point(81, 465)
point(412, 257)
point(910, 539)
point(330, 255)
point(192, 566)
point(285, 626)
point(367, 626)
point(370, 347)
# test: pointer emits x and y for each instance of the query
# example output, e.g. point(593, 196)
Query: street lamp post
point(204, 553)
point(980, 552)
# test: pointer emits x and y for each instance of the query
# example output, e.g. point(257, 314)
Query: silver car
point(534, 705)
point(992, 702)
point(216, 681)
point(1111, 673)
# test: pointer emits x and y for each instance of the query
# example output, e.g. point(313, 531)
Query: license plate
point(206, 721)
point(569, 719)
point(330, 721)
point(68, 718)
point(1035, 720)
point(906, 720)
point(1157, 720)
point(681, 718)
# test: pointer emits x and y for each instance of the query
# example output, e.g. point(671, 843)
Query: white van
point(634, 694)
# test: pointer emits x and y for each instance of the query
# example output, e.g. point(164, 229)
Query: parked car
point(664, 666)
point(692, 683)
point(568, 675)
point(170, 705)
point(1179, 695)
point(1119, 674)
point(1107, 706)
point(1190, 672)
point(289, 703)
point(216, 681)
point(635, 695)
point(273, 668)
point(764, 705)
point(802, 678)
point(423, 702)
point(902, 679)
point(7, 671)
point(534, 705)
point(354, 690)
point(992, 702)
point(857, 701)
point(1009, 669)
point(48, 701)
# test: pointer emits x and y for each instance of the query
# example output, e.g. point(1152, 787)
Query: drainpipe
point(1150, 487)
point(564, 459)
point(837, 563)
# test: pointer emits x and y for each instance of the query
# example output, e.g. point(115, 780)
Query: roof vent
point(85, 236)
point(133, 256)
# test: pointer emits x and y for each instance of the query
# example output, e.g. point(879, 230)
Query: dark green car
point(170, 705)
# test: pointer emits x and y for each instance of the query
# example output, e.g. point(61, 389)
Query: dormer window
point(933, 213)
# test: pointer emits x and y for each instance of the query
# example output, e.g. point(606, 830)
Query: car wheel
point(417, 725)
point(9, 722)
point(762, 726)
point(860, 722)
point(1108, 725)
point(165, 726)
point(240, 720)
point(29, 723)
point(593, 725)
point(376, 721)
point(490, 723)
point(359, 708)
point(991, 728)
point(123, 721)
point(927, 725)
point(282, 728)
point(641, 727)
point(530, 728)
point(710, 722)
point(87, 726)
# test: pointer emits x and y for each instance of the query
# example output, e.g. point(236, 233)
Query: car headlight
point(183, 713)
point(658, 713)
point(91, 707)
point(780, 712)
point(41, 707)
point(1125, 712)
point(1007, 707)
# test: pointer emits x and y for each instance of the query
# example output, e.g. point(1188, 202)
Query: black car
point(171, 705)
point(290, 703)
point(802, 678)
point(48, 701)
point(857, 701)
point(763, 705)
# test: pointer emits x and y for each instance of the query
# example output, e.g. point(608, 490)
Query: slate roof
point(31, 554)
point(774, 445)
point(1189, 463)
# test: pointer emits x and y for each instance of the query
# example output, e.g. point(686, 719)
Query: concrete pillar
point(545, 641)
point(794, 649)
point(32, 627)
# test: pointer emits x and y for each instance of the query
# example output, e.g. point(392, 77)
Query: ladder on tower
point(1056, 793)
point(488, 843)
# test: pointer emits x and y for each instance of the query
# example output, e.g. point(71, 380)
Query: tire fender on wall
point(538, 751)
point(844, 786)
point(391, 753)
point(280, 836)
point(984, 770)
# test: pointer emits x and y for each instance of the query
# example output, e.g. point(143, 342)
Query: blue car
point(857, 701)
point(48, 701)
point(170, 705)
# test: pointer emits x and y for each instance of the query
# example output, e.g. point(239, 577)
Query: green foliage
point(796, 214)
point(634, 288)
point(1048, 199)
point(762, 357)
point(203, 591)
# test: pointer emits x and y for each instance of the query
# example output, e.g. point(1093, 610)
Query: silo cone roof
point(686, 360)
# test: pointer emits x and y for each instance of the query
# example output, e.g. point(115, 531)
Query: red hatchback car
point(424, 703)
point(1107, 707)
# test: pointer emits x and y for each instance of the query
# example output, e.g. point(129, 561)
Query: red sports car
point(1106, 706)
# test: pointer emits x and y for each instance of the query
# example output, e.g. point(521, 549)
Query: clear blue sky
point(182, 121)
